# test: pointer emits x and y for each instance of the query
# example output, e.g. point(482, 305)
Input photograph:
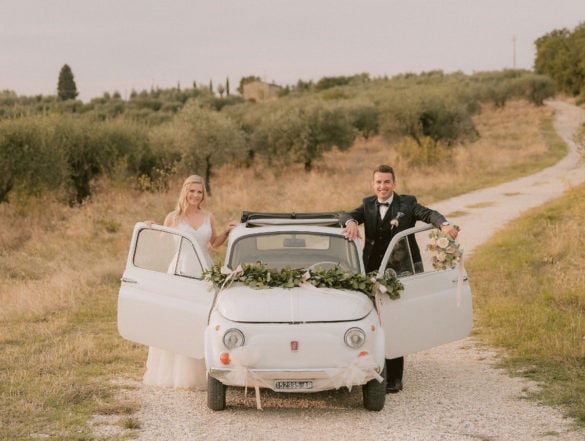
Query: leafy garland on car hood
point(258, 276)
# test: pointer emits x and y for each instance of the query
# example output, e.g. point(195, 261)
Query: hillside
point(60, 265)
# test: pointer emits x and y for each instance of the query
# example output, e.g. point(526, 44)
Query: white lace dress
point(166, 368)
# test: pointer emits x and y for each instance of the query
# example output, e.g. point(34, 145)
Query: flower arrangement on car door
point(444, 251)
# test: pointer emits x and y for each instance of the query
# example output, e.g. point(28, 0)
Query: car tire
point(216, 392)
point(374, 393)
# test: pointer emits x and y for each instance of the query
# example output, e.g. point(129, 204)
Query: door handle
point(127, 280)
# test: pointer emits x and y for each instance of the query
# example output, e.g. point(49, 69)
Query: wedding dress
point(166, 368)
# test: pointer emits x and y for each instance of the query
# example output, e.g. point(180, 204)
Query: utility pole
point(514, 52)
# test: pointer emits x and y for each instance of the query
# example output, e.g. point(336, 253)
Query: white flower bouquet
point(445, 252)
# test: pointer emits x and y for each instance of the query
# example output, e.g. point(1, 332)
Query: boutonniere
point(395, 222)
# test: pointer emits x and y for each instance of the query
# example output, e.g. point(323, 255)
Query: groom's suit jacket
point(378, 234)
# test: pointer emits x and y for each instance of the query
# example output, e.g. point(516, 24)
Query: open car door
point(163, 300)
point(435, 307)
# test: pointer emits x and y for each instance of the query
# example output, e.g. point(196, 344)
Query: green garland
point(258, 276)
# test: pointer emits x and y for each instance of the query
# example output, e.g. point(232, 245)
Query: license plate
point(293, 385)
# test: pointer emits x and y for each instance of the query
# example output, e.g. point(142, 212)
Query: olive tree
point(303, 131)
point(29, 161)
point(432, 112)
point(92, 149)
point(202, 139)
point(365, 118)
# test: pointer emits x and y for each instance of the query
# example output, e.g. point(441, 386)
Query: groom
point(376, 213)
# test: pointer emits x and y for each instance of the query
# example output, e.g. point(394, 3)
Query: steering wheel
point(323, 265)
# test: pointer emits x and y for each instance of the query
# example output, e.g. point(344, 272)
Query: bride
point(165, 368)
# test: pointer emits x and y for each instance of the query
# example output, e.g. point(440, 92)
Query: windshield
point(296, 250)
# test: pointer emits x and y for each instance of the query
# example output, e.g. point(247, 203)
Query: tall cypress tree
point(66, 88)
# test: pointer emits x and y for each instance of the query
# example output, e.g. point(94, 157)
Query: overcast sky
point(125, 45)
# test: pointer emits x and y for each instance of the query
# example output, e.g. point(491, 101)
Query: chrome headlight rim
point(354, 338)
point(233, 338)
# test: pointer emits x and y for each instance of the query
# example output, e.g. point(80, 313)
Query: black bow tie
point(382, 204)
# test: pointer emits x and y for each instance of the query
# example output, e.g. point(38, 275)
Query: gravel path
point(495, 206)
point(451, 393)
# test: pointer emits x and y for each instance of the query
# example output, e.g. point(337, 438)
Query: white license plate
point(293, 384)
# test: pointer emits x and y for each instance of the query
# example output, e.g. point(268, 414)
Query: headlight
point(233, 338)
point(355, 338)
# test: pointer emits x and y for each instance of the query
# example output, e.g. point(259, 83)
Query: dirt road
point(451, 393)
point(490, 209)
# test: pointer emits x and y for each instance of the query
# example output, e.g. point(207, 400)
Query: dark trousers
point(394, 368)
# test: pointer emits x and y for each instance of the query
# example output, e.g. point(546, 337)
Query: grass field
point(531, 300)
point(63, 361)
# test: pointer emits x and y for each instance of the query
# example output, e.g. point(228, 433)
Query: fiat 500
point(295, 338)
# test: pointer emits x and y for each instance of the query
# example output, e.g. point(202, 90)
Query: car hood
point(243, 304)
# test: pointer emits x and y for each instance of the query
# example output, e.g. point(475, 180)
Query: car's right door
point(435, 307)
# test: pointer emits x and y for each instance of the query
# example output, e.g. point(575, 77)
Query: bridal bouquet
point(445, 252)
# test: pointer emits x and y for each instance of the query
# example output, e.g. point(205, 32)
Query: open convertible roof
point(258, 219)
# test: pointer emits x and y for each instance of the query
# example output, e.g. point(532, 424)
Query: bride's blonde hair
point(182, 203)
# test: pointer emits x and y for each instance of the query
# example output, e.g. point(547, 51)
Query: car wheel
point(374, 393)
point(216, 391)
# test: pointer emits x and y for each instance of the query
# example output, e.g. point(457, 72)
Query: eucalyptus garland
point(258, 276)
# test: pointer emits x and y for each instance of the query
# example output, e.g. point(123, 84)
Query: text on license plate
point(293, 384)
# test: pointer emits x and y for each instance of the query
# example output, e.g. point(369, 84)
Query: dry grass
point(531, 299)
point(60, 266)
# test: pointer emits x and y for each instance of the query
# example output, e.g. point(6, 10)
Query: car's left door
point(163, 300)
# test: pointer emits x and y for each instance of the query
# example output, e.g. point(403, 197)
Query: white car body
point(292, 339)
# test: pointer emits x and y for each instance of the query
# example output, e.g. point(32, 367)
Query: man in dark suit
point(383, 215)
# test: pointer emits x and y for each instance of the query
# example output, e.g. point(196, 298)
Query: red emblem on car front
point(294, 345)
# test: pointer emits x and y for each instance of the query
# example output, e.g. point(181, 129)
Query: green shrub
point(29, 162)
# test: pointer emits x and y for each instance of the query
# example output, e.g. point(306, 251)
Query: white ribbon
point(243, 358)
point(378, 303)
point(230, 275)
point(355, 372)
point(459, 281)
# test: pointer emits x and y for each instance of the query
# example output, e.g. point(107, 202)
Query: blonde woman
point(165, 368)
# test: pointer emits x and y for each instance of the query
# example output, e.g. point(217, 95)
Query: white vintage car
point(300, 339)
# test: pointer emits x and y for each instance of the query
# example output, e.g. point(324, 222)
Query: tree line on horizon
point(52, 146)
point(560, 54)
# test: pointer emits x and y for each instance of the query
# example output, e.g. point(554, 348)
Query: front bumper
point(357, 372)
